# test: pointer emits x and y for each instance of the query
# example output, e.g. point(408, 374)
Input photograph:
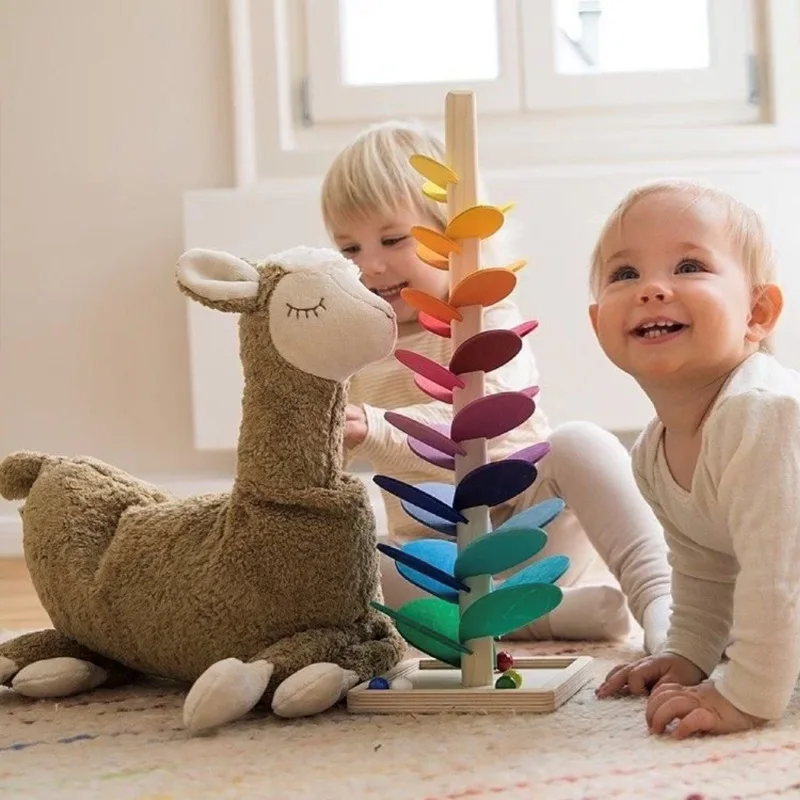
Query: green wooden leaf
point(430, 625)
point(497, 552)
point(547, 570)
point(507, 609)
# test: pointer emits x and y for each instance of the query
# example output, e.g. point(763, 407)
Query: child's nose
point(372, 265)
point(655, 291)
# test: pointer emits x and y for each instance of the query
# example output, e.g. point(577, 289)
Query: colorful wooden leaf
point(477, 222)
point(507, 609)
point(430, 305)
point(548, 570)
point(499, 551)
point(432, 259)
point(491, 415)
point(524, 328)
point(418, 498)
point(430, 625)
point(434, 240)
point(428, 564)
point(493, 484)
point(433, 389)
point(486, 351)
point(434, 325)
point(434, 192)
point(437, 173)
point(432, 436)
point(485, 287)
point(537, 516)
point(428, 368)
point(444, 492)
point(431, 454)
point(533, 454)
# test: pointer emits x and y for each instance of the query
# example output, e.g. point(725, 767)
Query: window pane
point(631, 35)
point(388, 42)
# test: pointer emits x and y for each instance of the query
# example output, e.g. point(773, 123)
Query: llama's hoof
point(7, 669)
point(226, 691)
point(58, 677)
point(313, 689)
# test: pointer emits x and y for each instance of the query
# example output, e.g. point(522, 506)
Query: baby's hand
point(700, 709)
point(644, 675)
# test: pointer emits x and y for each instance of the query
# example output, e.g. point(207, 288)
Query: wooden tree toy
point(458, 624)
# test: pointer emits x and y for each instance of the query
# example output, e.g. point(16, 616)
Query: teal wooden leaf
point(506, 609)
point(497, 552)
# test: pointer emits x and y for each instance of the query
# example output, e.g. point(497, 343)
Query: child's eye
point(623, 274)
point(690, 266)
point(392, 240)
point(350, 250)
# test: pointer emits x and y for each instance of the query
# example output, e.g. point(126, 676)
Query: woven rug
point(129, 745)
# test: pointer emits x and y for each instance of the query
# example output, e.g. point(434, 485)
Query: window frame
point(330, 100)
point(273, 143)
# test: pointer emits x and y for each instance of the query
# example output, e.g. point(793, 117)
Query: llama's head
point(307, 302)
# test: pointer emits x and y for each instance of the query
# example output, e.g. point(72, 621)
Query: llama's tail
point(18, 473)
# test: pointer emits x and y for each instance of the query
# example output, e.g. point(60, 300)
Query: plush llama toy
point(259, 595)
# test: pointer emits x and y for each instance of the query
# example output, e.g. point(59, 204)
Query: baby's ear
point(593, 317)
point(765, 311)
point(218, 279)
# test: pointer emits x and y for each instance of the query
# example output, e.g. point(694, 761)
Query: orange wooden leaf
point(434, 240)
point(432, 259)
point(477, 222)
point(430, 305)
point(485, 287)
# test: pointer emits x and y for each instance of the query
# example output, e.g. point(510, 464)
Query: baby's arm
point(760, 488)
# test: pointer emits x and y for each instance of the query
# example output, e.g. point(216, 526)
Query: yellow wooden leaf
point(432, 259)
point(434, 192)
point(434, 171)
point(506, 208)
point(477, 222)
point(433, 240)
point(516, 266)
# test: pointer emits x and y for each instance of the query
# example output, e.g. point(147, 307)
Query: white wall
point(109, 111)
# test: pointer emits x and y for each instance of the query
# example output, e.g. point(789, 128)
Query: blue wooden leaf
point(493, 484)
point(443, 492)
point(499, 551)
point(428, 563)
point(536, 516)
point(548, 570)
point(418, 497)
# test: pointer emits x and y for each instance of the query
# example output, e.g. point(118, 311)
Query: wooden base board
point(547, 682)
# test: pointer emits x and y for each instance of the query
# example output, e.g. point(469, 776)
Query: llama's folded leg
point(47, 664)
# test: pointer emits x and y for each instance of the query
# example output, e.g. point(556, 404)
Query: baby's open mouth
point(389, 292)
point(654, 330)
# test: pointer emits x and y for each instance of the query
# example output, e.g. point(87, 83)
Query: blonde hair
point(745, 226)
point(372, 175)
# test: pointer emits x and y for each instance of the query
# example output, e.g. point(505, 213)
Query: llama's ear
point(216, 277)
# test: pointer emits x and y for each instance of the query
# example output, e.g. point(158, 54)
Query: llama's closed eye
point(297, 312)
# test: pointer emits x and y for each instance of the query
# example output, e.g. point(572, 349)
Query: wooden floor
point(19, 607)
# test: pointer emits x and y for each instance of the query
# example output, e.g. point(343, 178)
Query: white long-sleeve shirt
point(734, 539)
point(389, 386)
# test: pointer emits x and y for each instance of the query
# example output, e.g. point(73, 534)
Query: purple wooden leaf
point(491, 416)
point(424, 433)
point(486, 351)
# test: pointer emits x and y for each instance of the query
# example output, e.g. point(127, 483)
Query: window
point(372, 58)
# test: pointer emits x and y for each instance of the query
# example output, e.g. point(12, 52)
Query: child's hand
point(355, 426)
point(700, 709)
point(644, 675)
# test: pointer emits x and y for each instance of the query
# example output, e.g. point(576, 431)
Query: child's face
point(674, 300)
point(387, 257)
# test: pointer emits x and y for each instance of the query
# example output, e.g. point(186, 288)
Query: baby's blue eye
point(623, 274)
point(350, 250)
point(690, 266)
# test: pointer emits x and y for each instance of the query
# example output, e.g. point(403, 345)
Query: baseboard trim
point(11, 524)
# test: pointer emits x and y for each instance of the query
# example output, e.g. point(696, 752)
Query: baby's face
point(384, 251)
point(674, 300)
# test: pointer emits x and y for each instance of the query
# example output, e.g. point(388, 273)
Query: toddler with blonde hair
point(371, 198)
point(685, 303)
